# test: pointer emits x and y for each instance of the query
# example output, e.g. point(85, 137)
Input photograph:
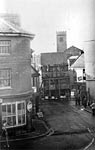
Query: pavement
point(88, 109)
point(41, 129)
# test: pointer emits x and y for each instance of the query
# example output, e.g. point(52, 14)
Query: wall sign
point(29, 106)
point(1, 100)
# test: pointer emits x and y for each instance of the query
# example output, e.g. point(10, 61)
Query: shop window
point(5, 78)
point(14, 114)
point(5, 47)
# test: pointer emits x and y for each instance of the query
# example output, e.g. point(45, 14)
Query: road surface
point(71, 125)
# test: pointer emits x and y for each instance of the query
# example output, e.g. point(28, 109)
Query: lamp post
point(0, 121)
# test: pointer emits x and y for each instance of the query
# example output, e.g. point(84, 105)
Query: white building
point(79, 67)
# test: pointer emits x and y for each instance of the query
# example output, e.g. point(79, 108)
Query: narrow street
point(71, 126)
point(65, 116)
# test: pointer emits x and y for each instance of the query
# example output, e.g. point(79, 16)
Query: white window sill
point(4, 54)
point(16, 125)
point(5, 88)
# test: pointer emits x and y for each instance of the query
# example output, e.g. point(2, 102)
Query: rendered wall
point(90, 66)
point(89, 46)
point(19, 61)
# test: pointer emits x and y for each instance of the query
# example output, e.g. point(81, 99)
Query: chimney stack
point(12, 18)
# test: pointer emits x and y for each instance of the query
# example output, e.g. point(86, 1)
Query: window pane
point(1, 83)
point(8, 109)
point(19, 109)
point(19, 119)
point(8, 74)
point(5, 79)
point(21, 113)
point(14, 120)
point(19, 106)
point(3, 108)
point(23, 106)
point(5, 46)
point(23, 119)
point(5, 83)
point(9, 121)
point(8, 83)
point(13, 109)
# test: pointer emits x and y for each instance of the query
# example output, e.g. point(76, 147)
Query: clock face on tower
point(61, 39)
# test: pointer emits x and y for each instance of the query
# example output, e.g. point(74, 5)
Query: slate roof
point(79, 63)
point(7, 28)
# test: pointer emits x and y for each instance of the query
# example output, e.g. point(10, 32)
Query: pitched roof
point(73, 48)
point(8, 28)
point(79, 63)
point(72, 51)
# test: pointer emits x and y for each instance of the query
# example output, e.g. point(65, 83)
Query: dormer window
point(5, 46)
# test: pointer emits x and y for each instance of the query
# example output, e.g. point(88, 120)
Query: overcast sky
point(45, 17)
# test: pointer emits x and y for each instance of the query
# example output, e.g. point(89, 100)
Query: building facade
point(79, 67)
point(15, 75)
point(90, 67)
point(35, 79)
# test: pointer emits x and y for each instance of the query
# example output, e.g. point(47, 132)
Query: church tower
point(61, 41)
